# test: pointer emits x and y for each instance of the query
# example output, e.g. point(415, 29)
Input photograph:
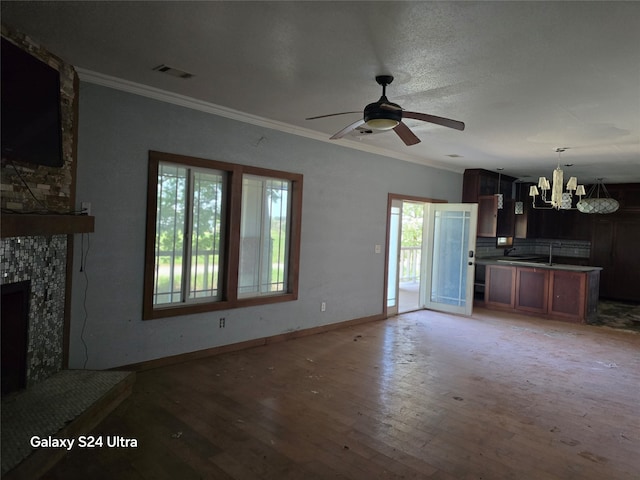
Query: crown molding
point(101, 79)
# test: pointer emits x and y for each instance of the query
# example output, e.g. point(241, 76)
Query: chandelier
point(561, 197)
point(598, 204)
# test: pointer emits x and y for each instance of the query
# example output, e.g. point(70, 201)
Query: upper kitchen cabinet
point(560, 224)
point(627, 194)
point(572, 224)
point(481, 186)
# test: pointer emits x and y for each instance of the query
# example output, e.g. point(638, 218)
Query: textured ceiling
point(525, 77)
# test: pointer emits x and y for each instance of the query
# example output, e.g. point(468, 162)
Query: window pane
point(450, 244)
point(169, 242)
point(264, 236)
point(206, 238)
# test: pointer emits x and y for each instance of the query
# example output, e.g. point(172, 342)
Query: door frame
point(390, 198)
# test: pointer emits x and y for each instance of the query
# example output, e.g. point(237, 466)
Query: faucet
point(507, 251)
point(551, 244)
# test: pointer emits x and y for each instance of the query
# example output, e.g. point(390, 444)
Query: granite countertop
point(533, 261)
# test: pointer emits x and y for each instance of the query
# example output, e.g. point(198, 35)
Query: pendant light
point(500, 196)
point(598, 204)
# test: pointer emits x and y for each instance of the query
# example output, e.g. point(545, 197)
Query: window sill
point(195, 308)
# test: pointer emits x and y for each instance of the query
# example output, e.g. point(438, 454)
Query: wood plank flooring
point(419, 396)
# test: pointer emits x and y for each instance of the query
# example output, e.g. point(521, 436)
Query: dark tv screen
point(31, 126)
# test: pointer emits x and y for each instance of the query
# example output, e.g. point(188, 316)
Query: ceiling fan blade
point(331, 115)
point(445, 122)
point(406, 135)
point(348, 129)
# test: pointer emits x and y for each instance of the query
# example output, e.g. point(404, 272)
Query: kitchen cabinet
point(522, 227)
point(627, 194)
point(532, 285)
point(614, 247)
point(480, 186)
point(567, 293)
point(506, 219)
point(487, 215)
point(558, 224)
point(499, 286)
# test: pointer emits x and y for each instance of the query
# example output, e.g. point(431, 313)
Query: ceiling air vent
point(173, 71)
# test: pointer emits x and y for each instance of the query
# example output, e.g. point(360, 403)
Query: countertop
point(536, 262)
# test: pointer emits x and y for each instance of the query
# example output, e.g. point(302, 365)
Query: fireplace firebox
point(15, 335)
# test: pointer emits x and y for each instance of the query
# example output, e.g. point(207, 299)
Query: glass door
point(449, 248)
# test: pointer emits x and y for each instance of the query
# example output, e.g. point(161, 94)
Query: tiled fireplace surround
point(41, 260)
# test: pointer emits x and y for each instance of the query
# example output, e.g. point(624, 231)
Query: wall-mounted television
point(31, 122)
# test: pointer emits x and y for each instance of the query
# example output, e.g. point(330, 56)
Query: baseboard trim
point(257, 342)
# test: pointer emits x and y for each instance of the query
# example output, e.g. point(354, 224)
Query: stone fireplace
point(36, 242)
point(37, 225)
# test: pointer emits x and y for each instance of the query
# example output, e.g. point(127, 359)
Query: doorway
point(430, 255)
point(410, 259)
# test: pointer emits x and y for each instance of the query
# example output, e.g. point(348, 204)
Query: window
point(264, 240)
point(189, 206)
point(219, 236)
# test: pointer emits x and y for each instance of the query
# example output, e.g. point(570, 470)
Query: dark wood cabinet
point(627, 194)
point(522, 225)
point(500, 286)
point(558, 224)
point(567, 291)
point(487, 215)
point(506, 219)
point(614, 247)
point(551, 293)
point(532, 285)
point(481, 186)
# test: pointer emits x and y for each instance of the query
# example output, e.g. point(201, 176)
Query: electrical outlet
point(323, 306)
point(86, 208)
point(222, 322)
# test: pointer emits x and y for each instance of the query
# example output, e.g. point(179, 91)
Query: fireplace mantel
point(25, 225)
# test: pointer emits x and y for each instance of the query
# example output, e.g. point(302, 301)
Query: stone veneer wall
point(42, 260)
point(51, 186)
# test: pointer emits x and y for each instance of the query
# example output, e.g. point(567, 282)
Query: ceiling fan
point(385, 115)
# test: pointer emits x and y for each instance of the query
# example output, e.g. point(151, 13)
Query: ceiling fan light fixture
point(382, 123)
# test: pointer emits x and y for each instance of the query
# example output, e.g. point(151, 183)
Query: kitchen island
point(554, 291)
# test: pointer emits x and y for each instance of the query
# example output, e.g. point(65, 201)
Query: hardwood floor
point(421, 395)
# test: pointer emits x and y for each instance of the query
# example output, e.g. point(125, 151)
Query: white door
point(449, 249)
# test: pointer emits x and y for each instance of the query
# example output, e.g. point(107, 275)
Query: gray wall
point(344, 217)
